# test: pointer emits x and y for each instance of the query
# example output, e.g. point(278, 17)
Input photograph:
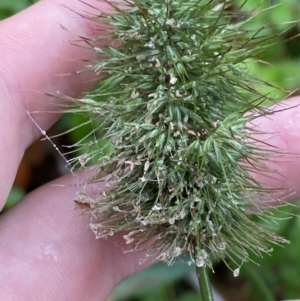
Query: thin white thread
point(49, 139)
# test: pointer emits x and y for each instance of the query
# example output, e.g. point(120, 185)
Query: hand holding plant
point(46, 250)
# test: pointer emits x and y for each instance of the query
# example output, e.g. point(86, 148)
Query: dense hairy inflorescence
point(176, 106)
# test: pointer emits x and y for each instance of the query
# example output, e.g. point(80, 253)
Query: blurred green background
point(276, 277)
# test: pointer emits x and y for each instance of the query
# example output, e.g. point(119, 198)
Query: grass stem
point(204, 283)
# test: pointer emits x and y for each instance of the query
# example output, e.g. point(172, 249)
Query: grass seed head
point(175, 108)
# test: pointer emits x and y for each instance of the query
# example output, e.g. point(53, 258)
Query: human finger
point(37, 58)
point(48, 252)
point(282, 135)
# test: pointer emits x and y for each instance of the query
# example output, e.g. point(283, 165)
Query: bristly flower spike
point(176, 107)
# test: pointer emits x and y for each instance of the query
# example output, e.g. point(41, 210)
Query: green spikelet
point(176, 106)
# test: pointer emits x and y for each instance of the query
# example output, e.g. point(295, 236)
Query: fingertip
point(50, 253)
point(282, 130)
point(39, 56)
point(42, 49)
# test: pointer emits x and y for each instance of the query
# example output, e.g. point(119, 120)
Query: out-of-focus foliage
point(277, 277)
point(14, 197)
point(10, 7)
point(280, 65)
point(279, 273)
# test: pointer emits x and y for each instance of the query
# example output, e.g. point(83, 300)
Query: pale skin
point(47, 251)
